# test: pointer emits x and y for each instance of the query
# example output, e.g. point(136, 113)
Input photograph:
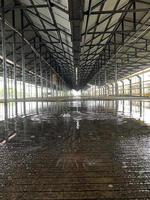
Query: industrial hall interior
point(74, 99)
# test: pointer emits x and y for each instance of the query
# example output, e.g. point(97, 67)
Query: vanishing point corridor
point(74, 99)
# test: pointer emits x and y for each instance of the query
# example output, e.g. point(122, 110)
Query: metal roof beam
point(76, 18)
point(103, 12)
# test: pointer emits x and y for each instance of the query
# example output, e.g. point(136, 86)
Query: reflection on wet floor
point(77, 150)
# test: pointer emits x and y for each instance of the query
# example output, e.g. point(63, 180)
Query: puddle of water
point(85, 149)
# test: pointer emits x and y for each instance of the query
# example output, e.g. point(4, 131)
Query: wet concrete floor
point(77, 150)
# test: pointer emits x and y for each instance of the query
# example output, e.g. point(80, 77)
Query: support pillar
point(46, 85)
point(41, 78)
point(130, 86)
point(103, 90)
point(122, 87)
point(116, 78)
point(108, 89)
point(112, 85)
point(14, 61)
point(50, 76)
point(23, 62)
point(36, 86)
point(95, 88)
point(92, 90)
point(140, 84)
point(99, 84)
point(4, 63)
point(105, 82)
point(57, 88)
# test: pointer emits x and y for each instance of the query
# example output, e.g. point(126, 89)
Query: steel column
point(130, 86)
point(23, 61)
point(99, 84)
point(116, 78)
point(140, 84)
point(4, 65)
point(14, 61)
point(41, 74)
point(95, 88)
point(36, 88)
point(112, 91)
point(46, 85)
point(105, 80)
point(122, 87)
point(108, 89)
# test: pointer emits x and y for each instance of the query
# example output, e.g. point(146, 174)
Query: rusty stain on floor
point(91, 153)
